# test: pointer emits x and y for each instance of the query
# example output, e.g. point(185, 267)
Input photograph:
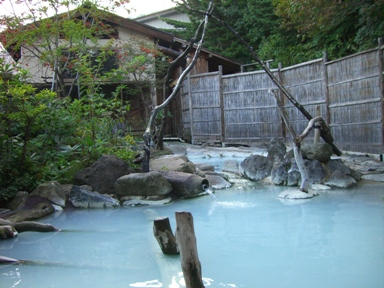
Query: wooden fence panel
point(355, 102)
point(205, 107)
point(186, 115)
point(250, 113)
point(238, 108)
point(306, 84)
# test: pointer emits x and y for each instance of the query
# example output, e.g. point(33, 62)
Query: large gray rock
point(84, 198)
point(216, 181)
point(51, 191)
point(287, 173)
point(256, 167)
point(338, 164)
point(231, 166)
point(205, 167)
point(18, 201)
point(317, 151)
point(178, 163)
point(279, 173)
point(142, 184)
point(340, 180)
point(294, 177)
point(102, 174)
point(276, 150)
point(317, 171)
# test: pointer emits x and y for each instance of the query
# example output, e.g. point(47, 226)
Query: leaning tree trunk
point(297, 141)
point(149, 130)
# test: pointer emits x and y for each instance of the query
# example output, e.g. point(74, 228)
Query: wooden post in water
point(164, 236)
point(186, 239)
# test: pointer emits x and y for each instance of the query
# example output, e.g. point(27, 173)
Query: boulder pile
point(110, 182)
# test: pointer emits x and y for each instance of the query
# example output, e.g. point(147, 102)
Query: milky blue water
point(246, 238)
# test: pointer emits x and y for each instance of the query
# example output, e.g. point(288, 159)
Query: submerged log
point(186, 239)
point(7, 232)
point(164, 236)
point(23, 227)
point(34, 227)
point(185, 184)
point(38, 211)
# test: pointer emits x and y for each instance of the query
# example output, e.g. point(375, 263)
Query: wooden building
point(127, 29)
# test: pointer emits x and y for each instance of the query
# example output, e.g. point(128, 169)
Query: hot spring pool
point(246, 238)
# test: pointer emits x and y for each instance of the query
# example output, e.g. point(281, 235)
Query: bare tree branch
point(148, 130)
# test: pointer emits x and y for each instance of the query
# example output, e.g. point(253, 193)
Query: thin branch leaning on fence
point(148, 130)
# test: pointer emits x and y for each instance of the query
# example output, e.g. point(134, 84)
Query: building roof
point(154, 19)
point(163, 13)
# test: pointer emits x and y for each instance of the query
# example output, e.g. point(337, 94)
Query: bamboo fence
point(239, 109)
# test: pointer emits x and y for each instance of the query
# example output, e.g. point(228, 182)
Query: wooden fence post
point(164, 236)
point(327, 112)
point(186, 239)
point(381, 77)
point(317, 129)
point(282, 100)
point(221, 97)
point(190, 106)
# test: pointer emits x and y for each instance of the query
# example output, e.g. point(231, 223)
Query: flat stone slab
point(83, 198)
point(294, 194)
point(143, 201)
point(218, 182)
point(320, 187)
point(374, 177)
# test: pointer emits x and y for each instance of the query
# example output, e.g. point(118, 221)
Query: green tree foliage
point(254, 20)
point(338, 27)
point(290, 31)
point(22, 113)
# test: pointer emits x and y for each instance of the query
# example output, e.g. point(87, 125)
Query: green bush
point(45, 138)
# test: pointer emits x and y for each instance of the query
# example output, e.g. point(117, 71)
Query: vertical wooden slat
point(221, 97)
point(282, 100)
point(327, 113)
point(381, 71)
point(190, 106)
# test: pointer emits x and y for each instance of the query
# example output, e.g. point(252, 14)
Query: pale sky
point(138, 7)
point(144, 7)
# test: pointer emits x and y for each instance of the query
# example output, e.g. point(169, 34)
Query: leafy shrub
point(44, 138)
